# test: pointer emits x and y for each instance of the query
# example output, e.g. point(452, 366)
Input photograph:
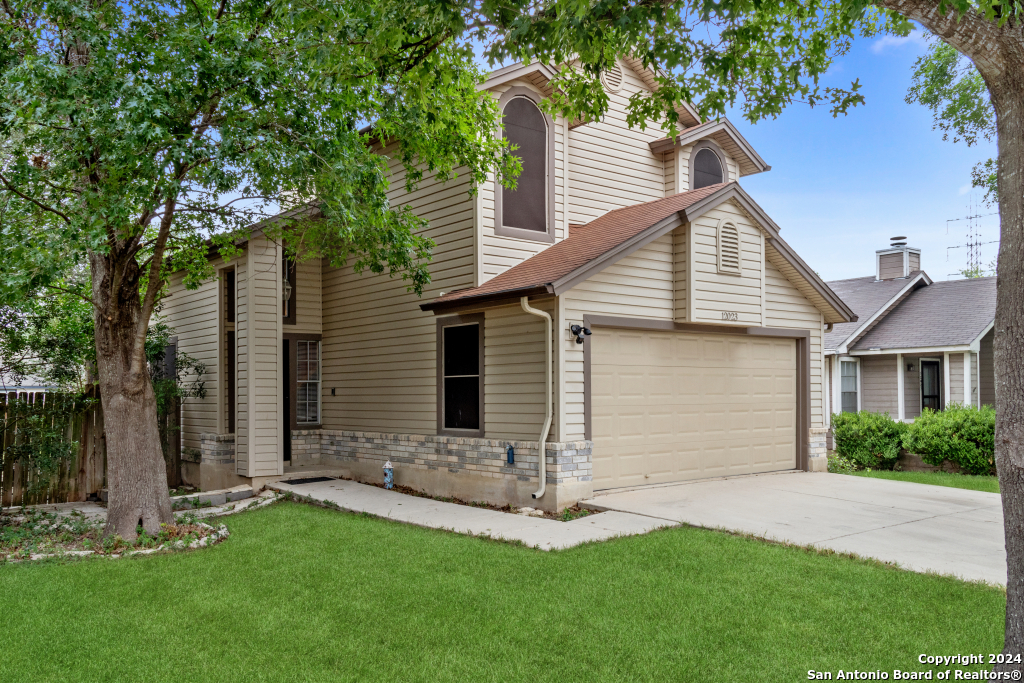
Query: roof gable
point(950, 313)
point(618, 233)
point(871, 299)
point(725, 134)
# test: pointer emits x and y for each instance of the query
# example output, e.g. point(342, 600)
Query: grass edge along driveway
point(304, 593)
point(950, 479)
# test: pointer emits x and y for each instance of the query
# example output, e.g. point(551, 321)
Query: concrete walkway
point(920, 527)
point(546, 534)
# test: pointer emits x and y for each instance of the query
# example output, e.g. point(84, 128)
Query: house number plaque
point(730, 315)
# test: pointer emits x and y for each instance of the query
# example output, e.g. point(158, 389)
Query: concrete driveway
point(921, 527)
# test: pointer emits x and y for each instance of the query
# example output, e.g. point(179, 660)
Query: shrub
point(837, 464)
point(963, 435)
point(868, 439)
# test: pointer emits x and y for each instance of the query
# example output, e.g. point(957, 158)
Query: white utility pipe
point(542, 462)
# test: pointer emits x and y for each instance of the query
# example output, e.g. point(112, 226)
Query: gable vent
point(728, 249)
point(612, 79)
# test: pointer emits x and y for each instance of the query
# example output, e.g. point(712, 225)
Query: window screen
point(462, 377)
point(848, 387)
point(307, 382)
point(931, 385)
point(707, 169)
point(526, 206)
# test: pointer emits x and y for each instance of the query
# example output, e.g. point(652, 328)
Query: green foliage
point(868, 439)
point(838, 464)
point(963, 435)
point(48, 336)
point(950, 86)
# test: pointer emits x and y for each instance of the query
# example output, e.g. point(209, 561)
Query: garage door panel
point(670, 406)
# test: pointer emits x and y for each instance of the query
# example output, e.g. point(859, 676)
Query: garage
point(670, 406)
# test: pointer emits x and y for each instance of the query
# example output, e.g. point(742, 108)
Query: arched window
point(525, 208)
point(707, 169)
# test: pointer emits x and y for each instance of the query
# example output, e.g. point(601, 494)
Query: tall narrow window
point(707, 169)
point(931, 384)
point(229, 350)
point(848, 386)
point(307, 382)
point(525, 207)
point(460, 375)
point(288, 294)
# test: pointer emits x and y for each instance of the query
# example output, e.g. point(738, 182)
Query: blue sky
point(839, 188)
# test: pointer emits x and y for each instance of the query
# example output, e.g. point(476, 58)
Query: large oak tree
point(133, 132)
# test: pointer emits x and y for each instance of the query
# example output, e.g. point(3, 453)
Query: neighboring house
point(916, 343)
point(705, 357)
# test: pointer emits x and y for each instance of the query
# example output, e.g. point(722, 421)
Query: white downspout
point(542, 461)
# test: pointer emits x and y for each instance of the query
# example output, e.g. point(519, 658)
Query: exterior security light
point(579, 331)
point(286, 290)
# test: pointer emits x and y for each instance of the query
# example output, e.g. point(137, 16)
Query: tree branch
point(153, 287)
point(42, 206)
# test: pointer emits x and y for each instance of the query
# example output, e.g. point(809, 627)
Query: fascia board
point(976, 344)
point(958, 348)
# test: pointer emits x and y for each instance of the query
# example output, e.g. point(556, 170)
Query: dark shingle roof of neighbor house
point(950, 313)
point(865, 295)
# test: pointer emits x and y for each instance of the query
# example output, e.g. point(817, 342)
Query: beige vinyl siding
point(258, 329)
point(669, 162)
point(680, 258)
point(308, 312)
point(915, 261)
point(241, 367)
point(714, 293)
point(514, 373)
point(378, 346)
point(499, 253)
point(987, 369)
point(194, 317)
point(638, 286)
point(611, 164)
point(878, 385)
point(787, 308)
point(956, 378)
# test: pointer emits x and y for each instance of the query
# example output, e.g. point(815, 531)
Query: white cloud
point(964, 189)
point(886, 42)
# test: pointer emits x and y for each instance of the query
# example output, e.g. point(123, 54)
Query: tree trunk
point(136, 474)
point(1008, 98)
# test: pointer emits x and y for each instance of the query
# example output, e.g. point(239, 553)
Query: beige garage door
point(672, 406)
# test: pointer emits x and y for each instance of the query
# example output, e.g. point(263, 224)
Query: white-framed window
point(307, 382)
point(849, 385)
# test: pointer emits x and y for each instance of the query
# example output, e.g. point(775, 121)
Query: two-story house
point(685, 334)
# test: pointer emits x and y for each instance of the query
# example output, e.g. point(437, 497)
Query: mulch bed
point(33, 534)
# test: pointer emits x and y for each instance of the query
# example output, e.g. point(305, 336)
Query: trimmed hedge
point(963, 435)
point(869, 439)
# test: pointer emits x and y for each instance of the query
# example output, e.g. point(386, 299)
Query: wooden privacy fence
point(78, 474)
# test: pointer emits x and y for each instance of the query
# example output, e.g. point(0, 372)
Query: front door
point(931, 384)
point(287, 399)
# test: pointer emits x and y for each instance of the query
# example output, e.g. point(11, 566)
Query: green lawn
point(959, 481)
point(303, 593)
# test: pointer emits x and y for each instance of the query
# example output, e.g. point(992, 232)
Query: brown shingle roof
point(585, 243)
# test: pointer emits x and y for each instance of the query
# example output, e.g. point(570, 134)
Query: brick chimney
point(897, 261)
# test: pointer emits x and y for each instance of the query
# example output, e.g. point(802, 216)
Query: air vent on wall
point(728, 249)
point(612, 79)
